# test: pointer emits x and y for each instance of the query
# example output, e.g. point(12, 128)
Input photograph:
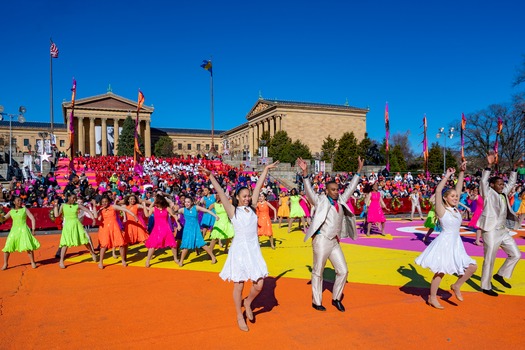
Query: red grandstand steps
point(62, 174)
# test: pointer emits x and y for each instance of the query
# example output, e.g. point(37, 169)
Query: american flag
point(53, 50)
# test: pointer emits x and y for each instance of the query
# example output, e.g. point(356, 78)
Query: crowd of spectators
point(180, 176)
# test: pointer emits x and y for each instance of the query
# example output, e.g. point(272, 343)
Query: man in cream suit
point(332, 220)
point(495, 220)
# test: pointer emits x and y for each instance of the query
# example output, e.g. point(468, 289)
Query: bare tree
point(401, 140)
point(480, 134)
point(520, 75)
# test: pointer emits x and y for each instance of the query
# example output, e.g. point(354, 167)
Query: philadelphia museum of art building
point(98, 121)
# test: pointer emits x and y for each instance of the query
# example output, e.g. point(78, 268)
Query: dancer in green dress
point(223, 228)
point(20, 238)
point(73, 233)
point(296, 211)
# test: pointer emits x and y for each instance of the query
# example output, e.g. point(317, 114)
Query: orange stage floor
point(165, 306)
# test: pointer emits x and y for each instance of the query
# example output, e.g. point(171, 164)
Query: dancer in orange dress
point(264, 222)
point(109, 233)
point(284, 207)
point(134, 231)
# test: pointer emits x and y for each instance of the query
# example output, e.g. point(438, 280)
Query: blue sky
point(439, 58)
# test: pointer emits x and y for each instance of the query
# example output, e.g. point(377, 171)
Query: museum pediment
point(107, 101)
point(259, 107)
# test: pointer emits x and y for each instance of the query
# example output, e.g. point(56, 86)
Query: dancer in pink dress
point(161, 235)
point(375, 208)
point(476, 206)
point(306, 208)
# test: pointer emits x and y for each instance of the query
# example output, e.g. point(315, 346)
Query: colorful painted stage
point(191, 307)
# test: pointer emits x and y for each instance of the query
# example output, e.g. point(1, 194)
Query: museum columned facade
point(98, 122)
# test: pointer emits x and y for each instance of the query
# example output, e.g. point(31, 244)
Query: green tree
point(328, 148)
point(346, 155)
point(397, 159)
point(435, 159)
point(265, 136)
point(401, 140)
point(298, 149)
point(451, 159)
point(280, 144)
point(373, 154)
point(164, 147)
point(126, 141)
point(417, 165)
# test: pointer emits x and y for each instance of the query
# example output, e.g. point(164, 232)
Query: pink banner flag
point(387, 136)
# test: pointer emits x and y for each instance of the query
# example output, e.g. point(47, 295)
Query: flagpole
point(206, 64)
point(212, 115)
point(387, 136)
point(425, 147)
point(51, 91)
point(72, 126)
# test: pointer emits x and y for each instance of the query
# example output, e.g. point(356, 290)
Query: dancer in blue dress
point(208, 220)
point(191, 236)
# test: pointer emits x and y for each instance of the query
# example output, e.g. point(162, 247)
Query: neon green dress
point(296, 211)
point(73, 234)
point(20, 238)
point(223, 228)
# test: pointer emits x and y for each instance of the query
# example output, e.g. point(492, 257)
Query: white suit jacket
point(492, 205)
point(322, 205)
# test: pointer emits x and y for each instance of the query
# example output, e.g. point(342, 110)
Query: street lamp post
point(441, 132)
point(21, 119)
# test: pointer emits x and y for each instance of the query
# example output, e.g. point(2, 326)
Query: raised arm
point(484, 183)
point(440, 207)
point(310, 195)
point(512, 180)
point(228, 207)
point(260, 181)
point(355, 181)
point(459, 184)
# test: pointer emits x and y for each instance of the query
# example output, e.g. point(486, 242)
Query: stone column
point(81, 133)
point(258, 126)
point(104, 137)
point(147, 139)
point(92, 141)
point(115, 135)
point(271, 126)
point(251, 137)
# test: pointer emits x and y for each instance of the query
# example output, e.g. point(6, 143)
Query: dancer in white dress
point(245, 261)
point(446, 254)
